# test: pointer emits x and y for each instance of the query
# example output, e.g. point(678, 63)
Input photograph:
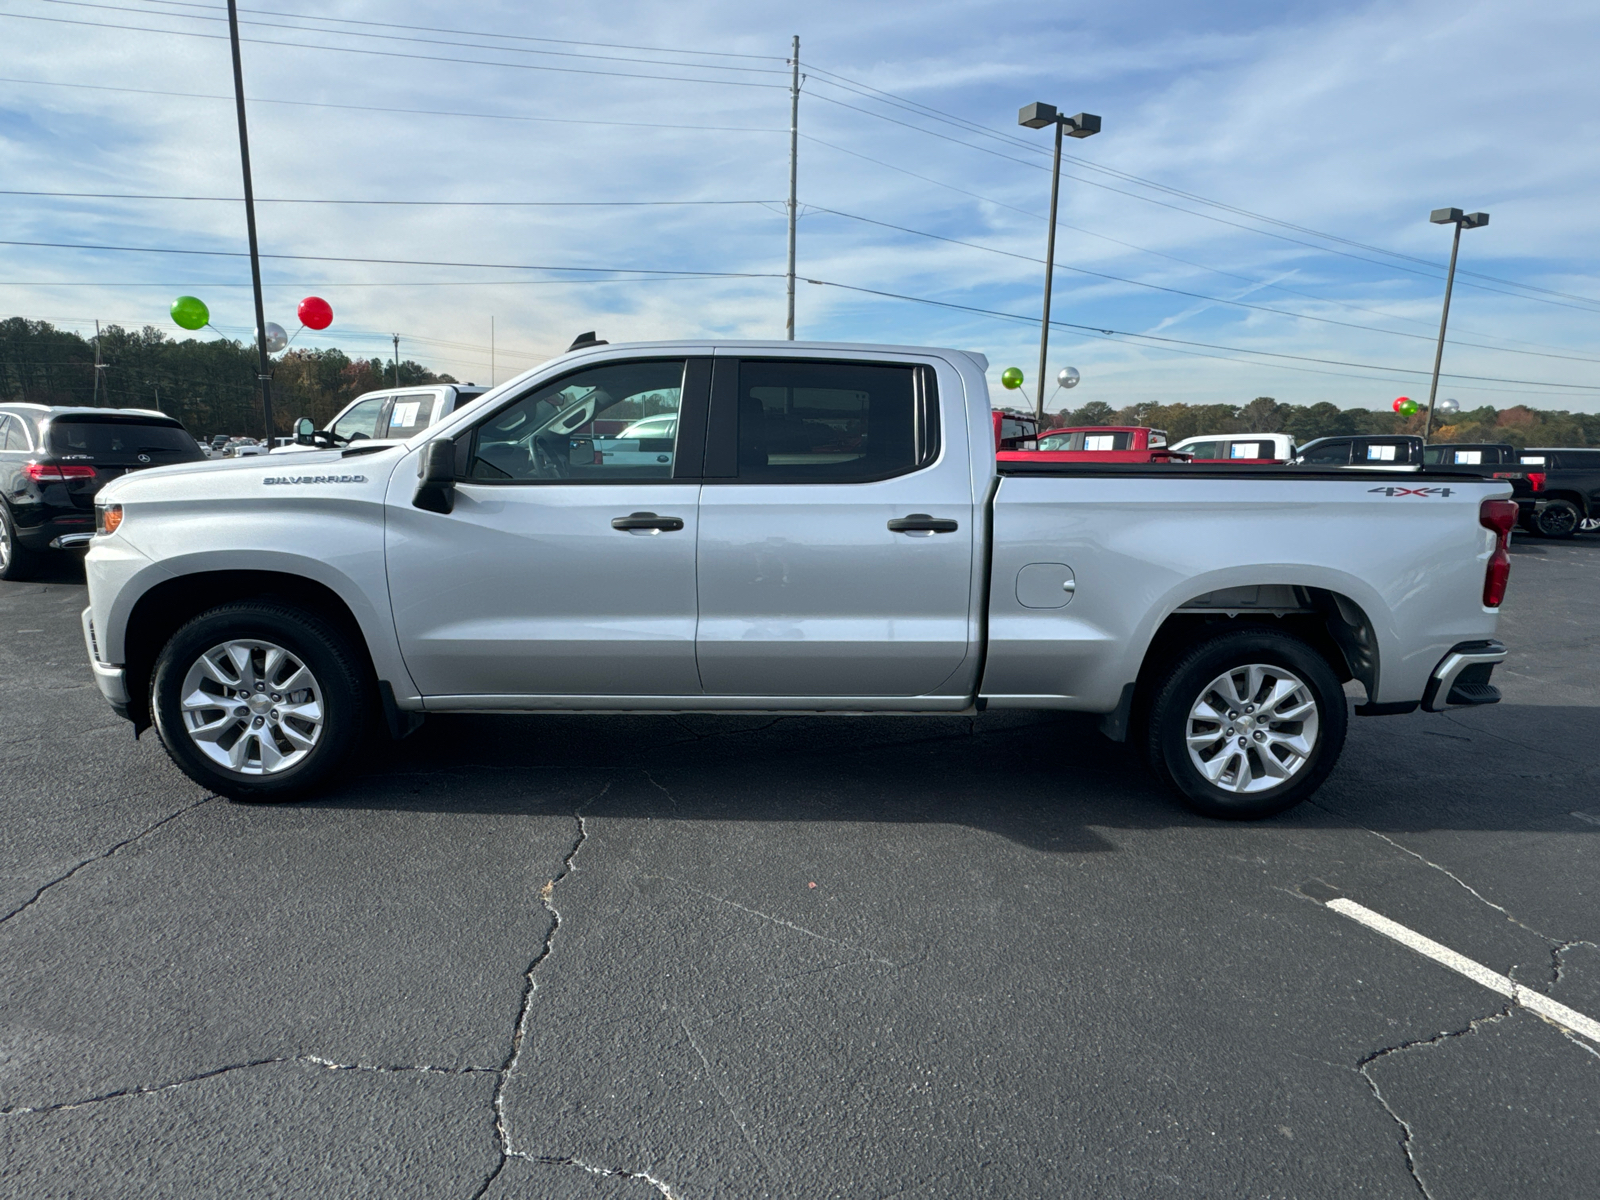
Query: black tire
point(16, 560)
point(343, 696)
point(1557, 519)
point(1190, 678)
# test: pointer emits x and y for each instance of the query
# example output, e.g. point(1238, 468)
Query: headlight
point(107, 518)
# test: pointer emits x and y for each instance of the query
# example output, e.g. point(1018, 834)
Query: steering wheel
point(547, 465)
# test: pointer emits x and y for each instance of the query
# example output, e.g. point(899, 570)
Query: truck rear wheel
point(259, 701)
point(1247, 724)
point(1557, 519)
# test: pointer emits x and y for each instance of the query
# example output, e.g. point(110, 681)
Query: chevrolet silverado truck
point(822, 528)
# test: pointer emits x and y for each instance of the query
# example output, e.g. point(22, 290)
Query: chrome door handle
point(923, 523)
point(647, 520)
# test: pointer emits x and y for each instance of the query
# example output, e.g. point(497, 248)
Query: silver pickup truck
point(782, 527)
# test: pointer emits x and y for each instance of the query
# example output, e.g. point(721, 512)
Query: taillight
point(1499, 517)
point(49, 473)
point(1536, 480)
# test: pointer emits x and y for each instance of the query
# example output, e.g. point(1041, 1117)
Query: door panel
point(803, 588)
point(567, 563)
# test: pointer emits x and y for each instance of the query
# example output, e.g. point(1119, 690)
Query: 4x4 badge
point(1405, 491)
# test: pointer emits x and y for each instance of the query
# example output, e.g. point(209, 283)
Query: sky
point(1252, 219)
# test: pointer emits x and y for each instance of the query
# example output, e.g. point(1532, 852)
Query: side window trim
point(692, 404)
point(722, 430)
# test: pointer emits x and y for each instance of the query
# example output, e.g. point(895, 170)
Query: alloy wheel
point(1252, 728)
point(252, 707)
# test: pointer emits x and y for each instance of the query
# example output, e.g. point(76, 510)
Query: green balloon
point(190, 312)
point(1408, 409)
point(1010, 378)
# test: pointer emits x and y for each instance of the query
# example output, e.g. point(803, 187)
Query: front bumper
point(1461, 680)
point(112, 681)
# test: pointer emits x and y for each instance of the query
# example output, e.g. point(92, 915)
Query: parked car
point(1238, 448)
point(54, 460)
point(393, 414)
point(1377, 452)
point(1102, 444)
point(1565, 490)
point(830, 532)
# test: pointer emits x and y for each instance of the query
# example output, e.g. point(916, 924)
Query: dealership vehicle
point(1238, 447)
point(1376, 452)
point(54, 460)
point(1564, 493)
point(829, 532)
point(392, 414)
point(1100, 444)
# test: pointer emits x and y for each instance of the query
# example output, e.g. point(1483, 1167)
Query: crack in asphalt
point(519, 1031)
point(313, 1060)
point(755, 912)
point(103, 855)
point(1407, 1134)
point(730, 1104)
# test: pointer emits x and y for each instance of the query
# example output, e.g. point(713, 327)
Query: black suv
point(53, 461)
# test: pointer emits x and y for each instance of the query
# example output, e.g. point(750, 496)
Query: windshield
point(95, 436)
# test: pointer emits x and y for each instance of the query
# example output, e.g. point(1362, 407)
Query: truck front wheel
point(1246, 724)
point(259, 701)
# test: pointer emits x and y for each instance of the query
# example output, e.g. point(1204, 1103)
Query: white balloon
point(1447, 406)
point(277, 339)
point(1069, 377)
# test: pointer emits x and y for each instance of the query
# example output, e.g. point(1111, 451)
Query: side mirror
point(436, 477)
point(303, 429)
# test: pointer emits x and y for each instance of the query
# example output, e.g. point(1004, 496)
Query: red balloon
point(315, 313)
point(1397, 403)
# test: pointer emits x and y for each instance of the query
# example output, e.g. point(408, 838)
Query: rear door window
point(819, 422)
point(11, 435)
point(1249, 449)
point(411, 414)
point(1204, 449)
point(1382, 452)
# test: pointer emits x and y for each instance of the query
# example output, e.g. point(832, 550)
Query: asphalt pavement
point(855, 957)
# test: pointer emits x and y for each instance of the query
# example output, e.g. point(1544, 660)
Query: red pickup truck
point(1099, 444)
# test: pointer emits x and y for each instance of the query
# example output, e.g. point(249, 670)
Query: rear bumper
point(1461, 680)
point(57, 532)
point(112, 681)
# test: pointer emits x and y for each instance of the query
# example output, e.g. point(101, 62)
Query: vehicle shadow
point(1048, 781)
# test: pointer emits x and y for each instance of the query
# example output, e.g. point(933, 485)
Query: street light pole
point(263, 370)
point(1448, 216)
point(1037, 116)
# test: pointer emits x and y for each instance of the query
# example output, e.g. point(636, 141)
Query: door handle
point(923, 523)
point(647, 520)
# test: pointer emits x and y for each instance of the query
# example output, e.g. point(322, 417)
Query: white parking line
point(1537, 1002)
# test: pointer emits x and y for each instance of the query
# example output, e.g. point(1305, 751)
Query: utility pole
point(397, 360)
point(99, 367)
point(1448, 216)
point(263, 369)
point(794, 172)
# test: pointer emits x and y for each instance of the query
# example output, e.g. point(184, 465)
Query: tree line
point(209, 385)
point(1519, 425)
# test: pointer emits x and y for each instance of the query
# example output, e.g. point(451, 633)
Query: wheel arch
point(1330, 622)
point(165, 607)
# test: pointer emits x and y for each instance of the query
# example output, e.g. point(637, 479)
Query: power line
point(410, 112)
point(509, 36)
point(392, 53)
point(904, 103)
point(398, 203)
point(403, 262)
point(1192, 295)
point(1121, 333)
